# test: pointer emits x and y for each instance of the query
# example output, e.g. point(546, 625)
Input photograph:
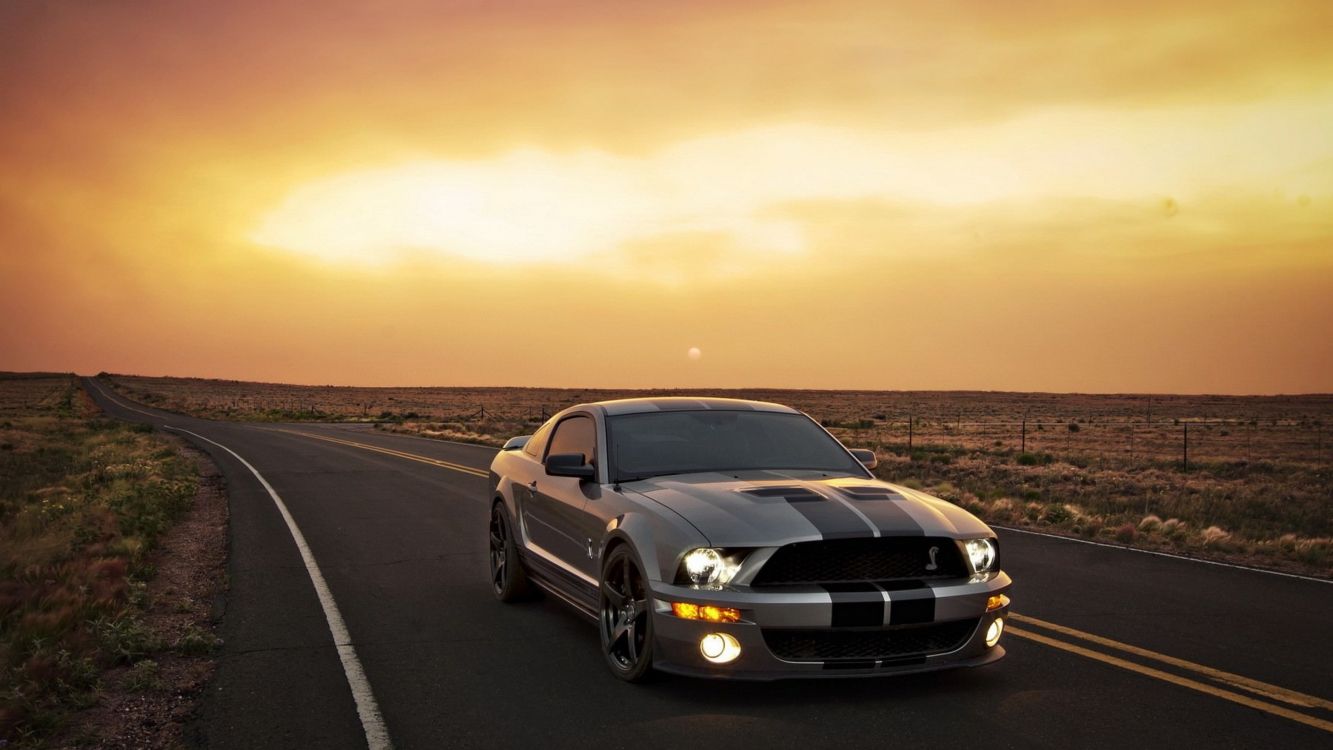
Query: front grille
point(892, 643)
point(862, 561)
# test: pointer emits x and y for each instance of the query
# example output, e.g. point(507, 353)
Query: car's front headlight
point(706, 566)
point(982, 554)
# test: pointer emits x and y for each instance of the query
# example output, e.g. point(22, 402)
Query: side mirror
point(866, 457)
point(515, 443)
point(570, 465)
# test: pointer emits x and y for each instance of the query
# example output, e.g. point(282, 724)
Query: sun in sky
point(1029, 196)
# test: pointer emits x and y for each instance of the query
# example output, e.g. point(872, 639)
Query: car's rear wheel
point(626, 621)
point(509, 582)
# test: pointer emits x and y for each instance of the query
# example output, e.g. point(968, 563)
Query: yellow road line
point(389, 451)
point(1234, 680)
point(1216, 692)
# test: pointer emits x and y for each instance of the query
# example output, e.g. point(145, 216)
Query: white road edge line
point(1164, 554)
point(115, 401)
point(377, 735)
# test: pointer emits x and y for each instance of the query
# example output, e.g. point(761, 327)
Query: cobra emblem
point(931, 565)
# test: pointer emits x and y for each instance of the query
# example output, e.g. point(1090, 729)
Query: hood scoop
point(870, 493)
point(789, 494)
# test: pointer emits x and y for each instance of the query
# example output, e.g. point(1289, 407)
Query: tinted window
point(575, 435)
point(538, 441)
point(685, 442)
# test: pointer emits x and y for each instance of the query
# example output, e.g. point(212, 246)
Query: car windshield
point(685, 442)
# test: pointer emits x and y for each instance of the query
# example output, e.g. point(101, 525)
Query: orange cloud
point(974, 195)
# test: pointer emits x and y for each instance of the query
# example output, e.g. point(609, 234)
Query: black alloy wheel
point(509, 582)
point(626, 621)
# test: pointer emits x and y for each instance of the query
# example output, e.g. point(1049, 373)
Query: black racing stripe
point(914, 611)
point(855, 605)
point(884, 509)
point(857, 664)
point(831, 519)
point(902, 585)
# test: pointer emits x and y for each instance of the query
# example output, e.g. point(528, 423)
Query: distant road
point(396, 639)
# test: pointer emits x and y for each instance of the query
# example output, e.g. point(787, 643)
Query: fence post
point(1023, 441)
point(909, 433)
point(1185, 447)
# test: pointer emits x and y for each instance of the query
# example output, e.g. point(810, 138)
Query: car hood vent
point(870, 493)
point(790, 494)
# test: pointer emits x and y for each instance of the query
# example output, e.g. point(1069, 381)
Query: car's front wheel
point(509, 582)
point(626, 621)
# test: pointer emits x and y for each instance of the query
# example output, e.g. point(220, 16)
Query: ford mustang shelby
point(727, 538)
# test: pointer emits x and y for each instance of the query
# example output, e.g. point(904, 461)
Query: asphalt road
point(1108, 648)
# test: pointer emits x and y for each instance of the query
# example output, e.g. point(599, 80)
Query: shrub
point(1150, 523)
point(197, 642)
point(1174, 529)
point(1126, 534)
point(1057, 515)
point(125, 639)
point(143, 676)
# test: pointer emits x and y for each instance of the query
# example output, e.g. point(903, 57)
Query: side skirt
point(561, 584)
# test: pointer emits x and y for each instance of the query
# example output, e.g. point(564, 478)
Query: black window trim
point(546, 449)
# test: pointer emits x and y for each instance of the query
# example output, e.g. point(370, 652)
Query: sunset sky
point(1099, 197)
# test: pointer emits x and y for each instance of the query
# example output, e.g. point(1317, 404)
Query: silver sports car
point(727, 538)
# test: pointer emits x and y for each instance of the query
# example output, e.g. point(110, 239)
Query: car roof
point(686, 403)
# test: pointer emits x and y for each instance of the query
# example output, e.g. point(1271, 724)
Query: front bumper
point(822, 614)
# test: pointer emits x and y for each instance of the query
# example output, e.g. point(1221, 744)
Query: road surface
point(1108, 648)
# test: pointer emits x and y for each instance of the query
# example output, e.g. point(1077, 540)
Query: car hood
point(770, 508)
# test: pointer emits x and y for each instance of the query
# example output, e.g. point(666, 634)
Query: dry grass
point(83, 500)
point(1257, 487)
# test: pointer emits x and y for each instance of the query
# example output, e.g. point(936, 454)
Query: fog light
point(993, 632)
point(719, 648)
point(999, 601)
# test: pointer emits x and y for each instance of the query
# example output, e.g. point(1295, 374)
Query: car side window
point(575, 435)
point(537, 442)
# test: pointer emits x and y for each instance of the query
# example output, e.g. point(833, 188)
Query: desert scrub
point(196, 641)
point(1271, 513)
point(451, 431)
point(83, 500)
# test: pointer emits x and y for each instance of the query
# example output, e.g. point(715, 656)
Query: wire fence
point(1164, 431)
point(1182, 440)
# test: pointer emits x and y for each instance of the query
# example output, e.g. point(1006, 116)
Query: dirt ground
point(184, 605)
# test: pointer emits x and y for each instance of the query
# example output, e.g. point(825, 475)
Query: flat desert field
point(1241, 478)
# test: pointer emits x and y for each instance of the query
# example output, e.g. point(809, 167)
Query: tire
point(625, 619)
point(509, 582)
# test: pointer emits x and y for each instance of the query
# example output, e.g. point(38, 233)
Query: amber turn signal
point(705, 612)
point(996, 602)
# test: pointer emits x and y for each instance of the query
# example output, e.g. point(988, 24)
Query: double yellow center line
point(1215, 677)
point(1255, 687)
point(390, 452)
